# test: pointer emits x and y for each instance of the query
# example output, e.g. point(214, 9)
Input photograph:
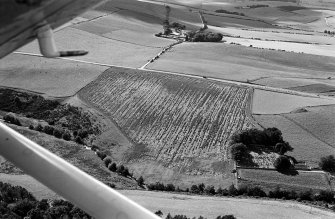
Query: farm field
point(240, 63)
point(268, 102)
point(101, 49)
point(278, 35)
point(52, 77)
point(312, 49)
point(270, 179)
point(118, 27)
point(315, 88)
point(295, 83)
point(307, 147)
point(178, 121)
point(319, 121)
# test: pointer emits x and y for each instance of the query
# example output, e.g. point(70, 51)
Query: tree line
point(324, 198)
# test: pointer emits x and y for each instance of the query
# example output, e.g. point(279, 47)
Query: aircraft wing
point(19, 22)
point(20, 19)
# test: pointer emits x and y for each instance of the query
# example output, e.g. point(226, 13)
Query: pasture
point(175, 120)
point(270, 179)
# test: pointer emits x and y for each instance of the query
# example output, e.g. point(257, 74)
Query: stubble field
point(173, 119)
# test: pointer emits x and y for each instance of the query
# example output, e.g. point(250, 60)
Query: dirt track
point(209, 207)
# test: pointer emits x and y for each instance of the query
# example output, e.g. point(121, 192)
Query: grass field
point(77, 155)
point(189, 205)
point(53, 77)
point(306, 146)
point(183, 123)
point(241, 63)
point(211, 207)
point(268, 102)
point(270, 179)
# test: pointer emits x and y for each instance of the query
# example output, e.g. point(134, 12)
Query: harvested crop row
point(176, 117)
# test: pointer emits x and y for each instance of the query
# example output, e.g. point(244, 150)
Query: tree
point(11, 118)
point(120, 169)
point(107, 160)
point(140, 181)
point(22, 207)
point(31, 127)
point(229, 216)
point(210, 190)
point(101, 154)
point(48, 130)
point(159, 213)
point(112, 167)
point(238, 151)
point(201, 187)
point(58, 133)
point(125, 172)
point(232, 190)
point(39, 127)
point(327, 163)
point(282, 163)
point(283, 147)
point(170, 187)
point(79, 140)
point(66, 136)
point(194, 189)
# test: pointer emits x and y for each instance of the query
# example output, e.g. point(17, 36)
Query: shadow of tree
point(290, 172)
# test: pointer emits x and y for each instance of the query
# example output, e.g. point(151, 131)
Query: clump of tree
point(267, 137)
point(35, 106)
point(229, 12)
point(329, 32)
point(107, 160)
point(166, 28)
point(282, 163)
point(11, 118)
point(283, 147)
point(239, 152)
point(201, 36)
point(161, 187)
point(140, 181)
point(327, 163)
point(180, 216)
point(17, 202)
point(319, 198)
point(177, 26)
